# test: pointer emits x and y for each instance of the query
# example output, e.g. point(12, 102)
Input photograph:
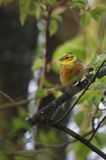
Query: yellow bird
point(71, 70)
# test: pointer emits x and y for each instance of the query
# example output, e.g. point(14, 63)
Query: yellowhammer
point(71, 69)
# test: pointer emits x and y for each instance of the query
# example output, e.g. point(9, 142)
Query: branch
point(15, 104)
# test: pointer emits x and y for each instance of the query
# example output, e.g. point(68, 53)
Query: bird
point(71, 70)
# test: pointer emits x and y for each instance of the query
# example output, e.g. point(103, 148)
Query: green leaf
point(80, 150)
point(101, 139)
point(37, 64)
point(85, 19)
point(79, 118)
point(18, 123)
point(53, 26)
point(83, 151)
point(24, 10)
point(96, 13)
point(80, 3)
point(48, 137)
point(29, 7)
point(38, 11)
point(94, 97)
point(41, 92)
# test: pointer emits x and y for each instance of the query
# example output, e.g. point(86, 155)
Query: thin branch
point(86, 88)
point(15, 104)
point(6, 96)
point(96, 129)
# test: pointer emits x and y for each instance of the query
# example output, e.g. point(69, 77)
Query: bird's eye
point(66, 57)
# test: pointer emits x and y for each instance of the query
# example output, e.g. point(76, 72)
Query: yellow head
point(68, 59)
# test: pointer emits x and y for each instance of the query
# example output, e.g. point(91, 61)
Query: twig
point(93, 79)
point(96, 129)
point(6, 96)
point(14, 104)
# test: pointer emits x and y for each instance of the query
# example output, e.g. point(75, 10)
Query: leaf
point(85, 19)
point(18, 123)
point(80, 150)
point(38, 11)
point(80, 3)
point(100, 139)
point(53, 26)
point(29, 7)
point(94, 98)
point(96, 14)
point(24, 10)
point(37, 64)
point(41, 92)
point(48, 137)
point(79, 118)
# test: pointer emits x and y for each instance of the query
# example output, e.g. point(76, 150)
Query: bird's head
point(68, 59)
